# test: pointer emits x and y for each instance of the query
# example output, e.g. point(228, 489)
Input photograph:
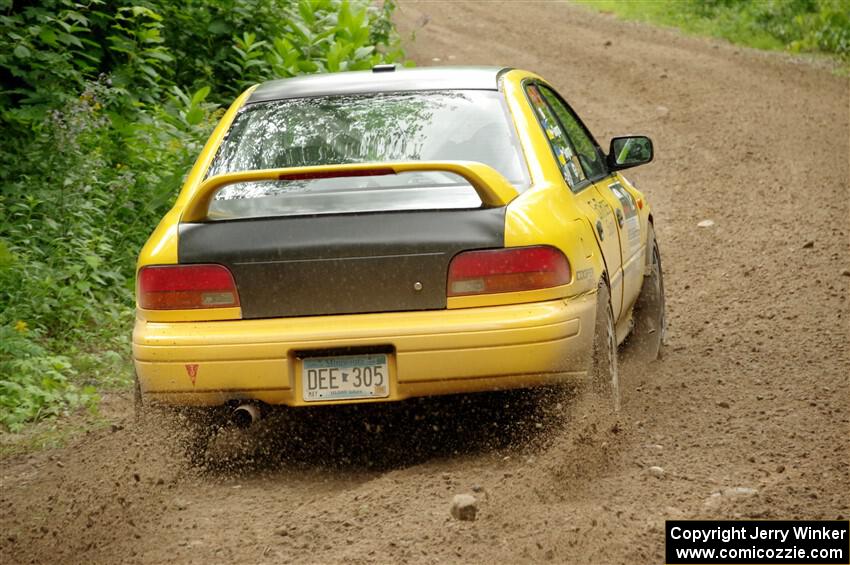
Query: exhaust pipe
point(245, 415)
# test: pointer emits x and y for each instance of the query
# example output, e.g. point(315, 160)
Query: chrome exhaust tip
point(245, 415)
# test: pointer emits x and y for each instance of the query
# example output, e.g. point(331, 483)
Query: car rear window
point(471, 125)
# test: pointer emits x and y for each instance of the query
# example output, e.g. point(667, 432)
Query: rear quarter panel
point(546, 214)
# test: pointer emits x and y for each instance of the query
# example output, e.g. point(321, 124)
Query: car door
point(628, 223)
point(625, 224)
point(579, 172)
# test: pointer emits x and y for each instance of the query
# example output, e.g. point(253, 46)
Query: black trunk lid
point(341, 264)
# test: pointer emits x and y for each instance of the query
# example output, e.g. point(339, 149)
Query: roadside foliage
point(797, 26)
point(104, 106)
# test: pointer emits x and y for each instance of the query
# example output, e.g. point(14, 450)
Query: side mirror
point(629, 151)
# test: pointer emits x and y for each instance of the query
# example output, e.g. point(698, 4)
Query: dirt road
point(752, 393)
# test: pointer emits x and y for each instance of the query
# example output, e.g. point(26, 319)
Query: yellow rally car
point(374, 236)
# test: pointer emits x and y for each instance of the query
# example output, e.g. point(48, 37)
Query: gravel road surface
point(746, 416)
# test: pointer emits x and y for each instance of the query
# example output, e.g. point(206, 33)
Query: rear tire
point(650, 321)
point(604, 374)
point(138, 406)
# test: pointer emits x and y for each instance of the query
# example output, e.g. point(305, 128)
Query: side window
point(566, 156)
point(591, 161)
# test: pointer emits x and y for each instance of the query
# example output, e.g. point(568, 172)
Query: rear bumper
point(433, 352)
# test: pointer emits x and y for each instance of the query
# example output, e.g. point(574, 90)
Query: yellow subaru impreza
point(380, 235)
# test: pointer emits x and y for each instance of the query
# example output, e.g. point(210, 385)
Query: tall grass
point(793, 25)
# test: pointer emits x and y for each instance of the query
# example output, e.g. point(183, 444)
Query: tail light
point(507, 270)
point(178, 287)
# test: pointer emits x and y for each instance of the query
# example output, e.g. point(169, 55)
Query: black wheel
point(604, 376)
point(650, 322)
point(137, 397)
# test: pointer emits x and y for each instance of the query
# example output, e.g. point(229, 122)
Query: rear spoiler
point(493, 189)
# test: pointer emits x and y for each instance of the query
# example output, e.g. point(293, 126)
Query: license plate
point(345, 376)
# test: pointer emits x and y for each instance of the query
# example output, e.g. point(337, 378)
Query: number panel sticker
point(631, 223)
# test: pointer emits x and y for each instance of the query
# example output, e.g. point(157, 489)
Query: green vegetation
point(795, 25)
point(104, 106)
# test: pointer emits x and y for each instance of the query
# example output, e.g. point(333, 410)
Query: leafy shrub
point(104, 107)
point(50, 50)
point(33, 382)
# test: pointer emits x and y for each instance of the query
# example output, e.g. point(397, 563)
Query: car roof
point(380, 79)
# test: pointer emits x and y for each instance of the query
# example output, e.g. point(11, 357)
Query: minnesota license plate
point(344, 377)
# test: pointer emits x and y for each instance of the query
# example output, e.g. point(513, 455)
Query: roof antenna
point(390, 68)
